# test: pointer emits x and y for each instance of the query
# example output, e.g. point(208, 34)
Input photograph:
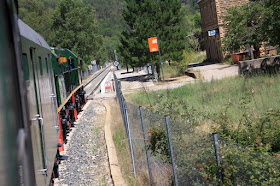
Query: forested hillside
point(92, 28)
point(109, 15)
point(192, 4)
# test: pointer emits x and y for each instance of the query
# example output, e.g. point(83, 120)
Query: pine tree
point(152, 18)
point(38, 17)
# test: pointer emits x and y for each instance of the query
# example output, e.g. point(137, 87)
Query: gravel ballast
point(87, 162)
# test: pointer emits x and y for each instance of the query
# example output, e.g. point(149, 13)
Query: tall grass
point(245, 114)
point(190, 56)
point(177, 69)
point(261, 92)
point(121, 144)
point(171, 71)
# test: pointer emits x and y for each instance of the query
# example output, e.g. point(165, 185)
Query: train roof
point(54, 48)
point(72, 53)
point(30, 34)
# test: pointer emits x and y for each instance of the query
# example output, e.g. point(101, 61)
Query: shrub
point(158, 143)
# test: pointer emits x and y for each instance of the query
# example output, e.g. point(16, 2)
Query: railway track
point(85, 144)
point(95, 82)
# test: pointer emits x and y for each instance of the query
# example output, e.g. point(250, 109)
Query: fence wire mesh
point(197, 162)
point(161, 169)
point(192, 149)
point(201, 158)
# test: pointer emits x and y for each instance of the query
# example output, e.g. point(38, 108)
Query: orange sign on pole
point(153, 44)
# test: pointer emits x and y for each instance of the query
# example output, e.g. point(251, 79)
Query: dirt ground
point(135, 81)
point(217, 71)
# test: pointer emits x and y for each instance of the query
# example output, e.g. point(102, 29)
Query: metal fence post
point(130, 143)
point(216, 146)
point(125, 119)
point(120, 85)
point(146, 149)
point(125, 116)
point(171, 150)
point(122, 107)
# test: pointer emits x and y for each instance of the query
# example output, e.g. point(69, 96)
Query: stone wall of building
point(221, 7)
point(267, 50)
point(208, 14)
point(212, 13)
point(209, 21)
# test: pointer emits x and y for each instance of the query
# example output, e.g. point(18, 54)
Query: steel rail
point(83, 85)
point(94, 77)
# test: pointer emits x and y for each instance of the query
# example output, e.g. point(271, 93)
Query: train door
point(54, 97)
point(53, 91)
point(37, 125)
point(50, 112)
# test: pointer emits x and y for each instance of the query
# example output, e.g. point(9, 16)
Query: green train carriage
point(69, 89)
point(16, 156)
point(41, 96)
point(66, 64)
point(29, 125)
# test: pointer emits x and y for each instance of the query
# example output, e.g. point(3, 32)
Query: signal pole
point(160, 60)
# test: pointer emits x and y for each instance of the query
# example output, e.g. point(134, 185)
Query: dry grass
point(161, 172)
point(122, 147)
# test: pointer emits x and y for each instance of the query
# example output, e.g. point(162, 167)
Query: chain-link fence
point(151, 163)
point(192, 148)
point(123, 108)
point(199, 157)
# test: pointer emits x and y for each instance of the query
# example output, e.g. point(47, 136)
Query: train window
point(46, 60)
point(40, 65)
point(26, 68)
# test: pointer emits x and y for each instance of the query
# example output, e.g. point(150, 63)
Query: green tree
point(76, 28)
point(49, 3)
point(252, 23)
point(152, 18)
point(192, 26)
point(244, 26)
point(271, 23)
point(108, 14)
point(38, 17)
point(192, 4)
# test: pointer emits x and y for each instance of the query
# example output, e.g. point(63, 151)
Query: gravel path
point(218, 71)
point(138, 80)
point(87, 163)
